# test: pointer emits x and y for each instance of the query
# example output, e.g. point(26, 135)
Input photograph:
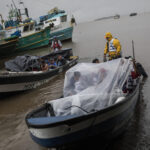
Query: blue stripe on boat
point(49, 120)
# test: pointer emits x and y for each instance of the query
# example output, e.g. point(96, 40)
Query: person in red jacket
point(56, 44)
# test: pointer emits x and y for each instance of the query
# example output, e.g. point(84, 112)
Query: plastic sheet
point(90, 87)
point(22, 63)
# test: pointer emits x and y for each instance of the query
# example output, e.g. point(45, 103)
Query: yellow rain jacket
point(113, 47)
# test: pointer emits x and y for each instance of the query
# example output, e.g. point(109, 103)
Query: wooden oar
point(137, 66)
point(133, 49)
point(134, 64)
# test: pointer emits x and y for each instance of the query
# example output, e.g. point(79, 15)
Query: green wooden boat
point(30, 35)
point(61, 23)
point(33, 40)
point(62, 34)
point(8, 46)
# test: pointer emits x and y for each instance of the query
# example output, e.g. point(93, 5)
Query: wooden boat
point(8, 46)
point(61, 24)
point(30, 35)
point(50, 130)
point(11, 81)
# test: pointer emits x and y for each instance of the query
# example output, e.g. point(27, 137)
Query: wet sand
point(88, 43)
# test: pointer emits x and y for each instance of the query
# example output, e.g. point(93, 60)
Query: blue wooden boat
point(51, 130)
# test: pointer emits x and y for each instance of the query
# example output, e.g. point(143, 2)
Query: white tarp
point(90, 87)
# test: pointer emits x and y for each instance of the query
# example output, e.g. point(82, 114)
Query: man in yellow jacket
point(112, 48)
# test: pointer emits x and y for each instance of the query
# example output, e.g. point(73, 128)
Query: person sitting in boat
point(56, 44)
point(44, 66)
point(112, 48)
point(76, 84)
point(52, 64)
point(80, 82)
point(96, 60)
point(61, 61)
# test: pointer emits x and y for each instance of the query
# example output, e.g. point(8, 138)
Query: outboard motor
point(141, 70)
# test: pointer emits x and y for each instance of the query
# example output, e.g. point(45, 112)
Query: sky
point(83, 10)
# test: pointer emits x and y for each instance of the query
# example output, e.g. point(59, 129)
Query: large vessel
point(30, 35)
point(61, 23)
point(7, 45)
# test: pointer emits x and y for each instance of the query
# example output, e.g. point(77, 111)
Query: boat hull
point(35, 40)
point(8, 47)
point(63, 34)
point(107, 123)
